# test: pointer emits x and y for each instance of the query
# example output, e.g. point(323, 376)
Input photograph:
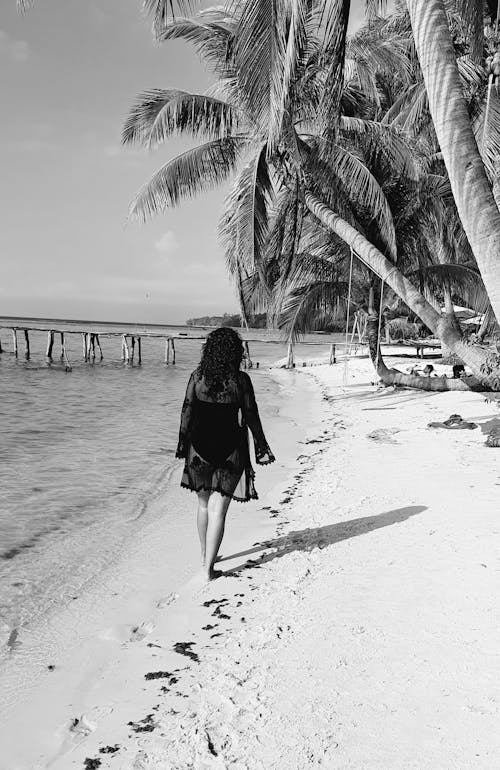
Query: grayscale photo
point(250, 385)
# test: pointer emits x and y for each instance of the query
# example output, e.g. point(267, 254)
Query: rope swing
point(346, 353)
point(379, 321)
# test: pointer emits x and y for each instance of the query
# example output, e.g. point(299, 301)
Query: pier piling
point(139, 351)
point(132, 349)
point(98, 343)
point(125, 348)
point(27, 343)
point(50, 345)
point(63, 348)
point(14, 341)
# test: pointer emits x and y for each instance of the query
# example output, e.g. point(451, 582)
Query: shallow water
point(82, 453)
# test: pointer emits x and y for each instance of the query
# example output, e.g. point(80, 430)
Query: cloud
point(168, 243)
point(15, 50)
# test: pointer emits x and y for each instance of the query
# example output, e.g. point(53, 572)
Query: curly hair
point(221, 359)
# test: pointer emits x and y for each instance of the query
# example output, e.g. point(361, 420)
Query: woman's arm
point(186, 418)
point(263, 454)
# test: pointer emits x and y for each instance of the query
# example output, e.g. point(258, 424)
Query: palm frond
point(159, 114)
point(385, 140)
point(197, 169)
point(163, 10)
point(359, 185)
point(211, 33)
point(334, 49)
point(488, 138)
point(463, 280)
point(243, 228)
point(472, 16)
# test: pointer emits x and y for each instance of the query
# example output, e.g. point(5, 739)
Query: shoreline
point(127, 597)
point(358, 630)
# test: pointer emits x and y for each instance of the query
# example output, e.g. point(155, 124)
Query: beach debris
point(158, 675)
point(454, 422)
point(109, 749)
point(384, 435)
point(82, 726)
point(493, 438)
point(92, 764)
point(51, 667)
point(184, 648)
point(146, 725)
point(162, 603)
point(138, 633)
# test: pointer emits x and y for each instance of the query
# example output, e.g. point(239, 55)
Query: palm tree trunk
point(472, 355)
point(395, 377)
point(472, 192)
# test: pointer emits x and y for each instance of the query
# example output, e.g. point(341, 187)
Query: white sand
point(366, 635)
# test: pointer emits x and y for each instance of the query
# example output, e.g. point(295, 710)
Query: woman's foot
point(213, 574)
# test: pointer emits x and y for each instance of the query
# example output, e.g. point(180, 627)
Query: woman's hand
point(266, 459)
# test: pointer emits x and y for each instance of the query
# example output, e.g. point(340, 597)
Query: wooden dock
point(131, 345)
point(131, 351)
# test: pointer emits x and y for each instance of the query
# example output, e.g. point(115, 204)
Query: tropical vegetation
point(363, 168)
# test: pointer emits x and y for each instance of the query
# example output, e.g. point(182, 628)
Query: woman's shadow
point(320, 537)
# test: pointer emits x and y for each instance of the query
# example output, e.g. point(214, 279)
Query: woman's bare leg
point(217, 509)
point(202, 522)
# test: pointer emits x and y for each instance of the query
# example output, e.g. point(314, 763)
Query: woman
point(213, 438)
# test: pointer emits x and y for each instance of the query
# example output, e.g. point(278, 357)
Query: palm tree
point(273, 83)
point(471, 189)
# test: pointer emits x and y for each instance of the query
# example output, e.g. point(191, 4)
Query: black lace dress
point(213, 438)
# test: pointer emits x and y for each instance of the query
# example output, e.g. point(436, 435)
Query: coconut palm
point(471, 189)
point(272, 84)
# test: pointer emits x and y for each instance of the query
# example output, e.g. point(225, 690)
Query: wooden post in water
point(27, 341)
point(97, 342)
point(132, 349)
point(88, 340)
point(14, 341)
point(333, 359)
point(84, 345)
point(1, 349)
point(290, 362)
point(64, 357)
point(50, 345)
point(167, 350)
point(139, 351)
point(126, 350)
point(173, 349)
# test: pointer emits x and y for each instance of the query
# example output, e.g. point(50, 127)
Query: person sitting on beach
point(213, 438)
point(428, 371)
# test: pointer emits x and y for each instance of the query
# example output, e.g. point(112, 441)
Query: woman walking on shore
point(218, 409)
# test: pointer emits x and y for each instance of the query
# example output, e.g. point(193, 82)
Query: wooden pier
point(131, 345)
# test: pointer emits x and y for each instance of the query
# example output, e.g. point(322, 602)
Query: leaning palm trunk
point(472, 192)
point(395, 377)
point(473, 356)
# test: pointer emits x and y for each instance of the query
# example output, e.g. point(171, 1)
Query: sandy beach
point(357, 626)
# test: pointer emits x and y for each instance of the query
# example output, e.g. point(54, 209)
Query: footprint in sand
point(138, 633)
point(167, 600)
point(82, 726)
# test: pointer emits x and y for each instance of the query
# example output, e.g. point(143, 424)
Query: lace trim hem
point(203, 487)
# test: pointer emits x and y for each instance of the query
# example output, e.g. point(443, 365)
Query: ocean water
point(82, 453)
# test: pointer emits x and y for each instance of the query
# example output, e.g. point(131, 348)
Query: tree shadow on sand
point(321, 537)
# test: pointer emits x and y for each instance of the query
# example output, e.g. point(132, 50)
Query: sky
point(69, 72)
